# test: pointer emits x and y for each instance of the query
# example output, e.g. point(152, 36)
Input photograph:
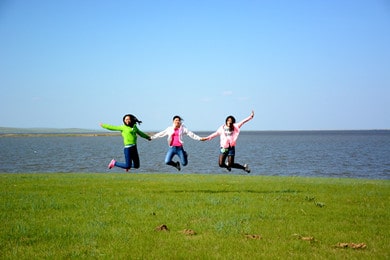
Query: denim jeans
point(179, 151)
point(131, 158)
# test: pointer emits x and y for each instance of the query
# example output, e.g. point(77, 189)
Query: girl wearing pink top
point(175, 134)
point(228, 134)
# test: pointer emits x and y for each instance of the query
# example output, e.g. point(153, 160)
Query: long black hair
point(133, 120)
point(231, 127)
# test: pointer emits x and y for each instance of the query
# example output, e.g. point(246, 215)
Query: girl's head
point(177, 121)
point(130, 120)
point(230, 120)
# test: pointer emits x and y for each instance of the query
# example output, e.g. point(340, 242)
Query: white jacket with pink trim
point(227, 141)
point(182, 131)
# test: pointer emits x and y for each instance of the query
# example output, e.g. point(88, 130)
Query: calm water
point(355, 154)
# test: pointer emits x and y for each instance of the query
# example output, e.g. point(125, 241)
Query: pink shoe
point(111, 164)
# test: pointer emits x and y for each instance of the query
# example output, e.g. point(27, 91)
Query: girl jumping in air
point(129, 132)
point(229, 133)
point(175, 142)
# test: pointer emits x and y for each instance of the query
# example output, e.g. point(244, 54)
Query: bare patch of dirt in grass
point(351, 245)
point(253, 236)
point(162, 227)
point(188, 232)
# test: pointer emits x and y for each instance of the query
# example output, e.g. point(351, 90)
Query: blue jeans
point(131, 158)
point(179, 151)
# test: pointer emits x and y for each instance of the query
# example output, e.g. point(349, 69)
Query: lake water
point(353, 154)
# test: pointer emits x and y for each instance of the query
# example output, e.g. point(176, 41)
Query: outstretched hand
point(253, 114)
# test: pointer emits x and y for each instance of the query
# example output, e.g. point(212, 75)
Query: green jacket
point(129, 134)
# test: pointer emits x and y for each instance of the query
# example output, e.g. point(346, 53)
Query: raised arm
point(246, 119)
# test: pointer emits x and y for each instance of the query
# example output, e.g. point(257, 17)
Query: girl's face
point(177, 123)
point(127, 120)
point(229, 122)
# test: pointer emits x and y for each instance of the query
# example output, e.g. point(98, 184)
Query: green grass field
point(208, 217)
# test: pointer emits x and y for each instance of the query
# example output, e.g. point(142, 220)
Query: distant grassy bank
point(192, 216)
point(35, 132)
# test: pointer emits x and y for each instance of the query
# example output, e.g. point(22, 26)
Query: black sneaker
point(178, 166)
point(247, 168)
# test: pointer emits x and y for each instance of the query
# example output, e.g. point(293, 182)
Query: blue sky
point(300, 65)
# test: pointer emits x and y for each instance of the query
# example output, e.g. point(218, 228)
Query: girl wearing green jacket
point(129, 132)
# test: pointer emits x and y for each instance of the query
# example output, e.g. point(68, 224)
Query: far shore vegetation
point(10, 132)
point(59, 134)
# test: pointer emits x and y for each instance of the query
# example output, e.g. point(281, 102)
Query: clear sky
point(300, 65)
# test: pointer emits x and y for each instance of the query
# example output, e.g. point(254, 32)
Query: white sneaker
point(247, 168)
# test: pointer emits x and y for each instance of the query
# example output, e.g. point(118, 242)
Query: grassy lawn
point(100, 215)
